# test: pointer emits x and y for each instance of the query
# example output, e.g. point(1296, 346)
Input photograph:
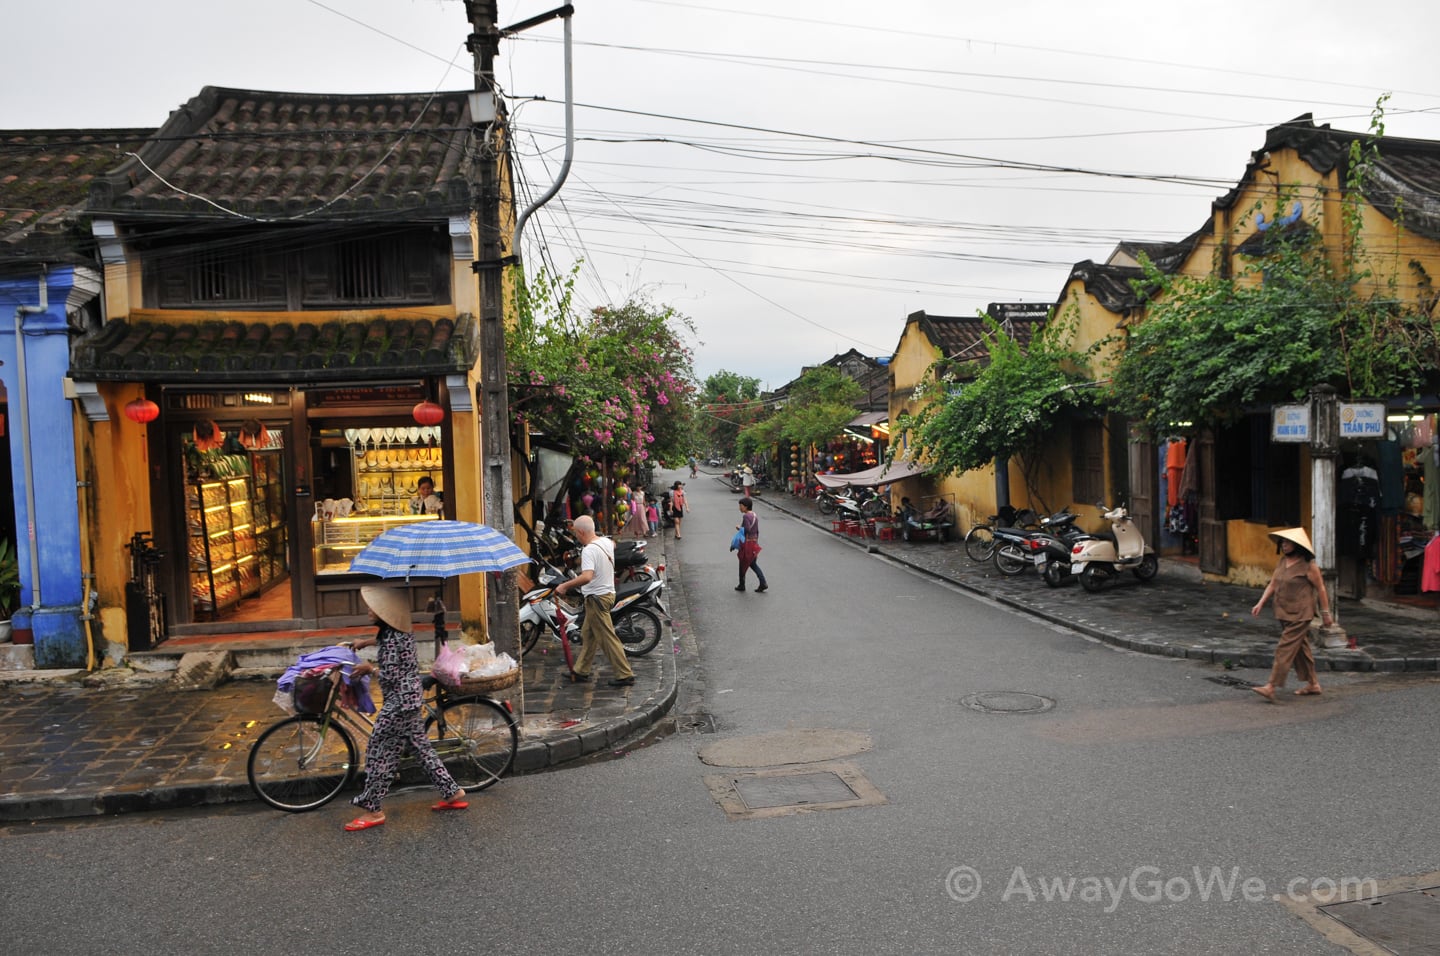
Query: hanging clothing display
point(1175, 456)
point(1359, 501)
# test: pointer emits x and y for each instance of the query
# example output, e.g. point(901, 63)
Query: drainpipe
point(26, 464)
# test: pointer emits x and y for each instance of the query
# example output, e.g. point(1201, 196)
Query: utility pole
point(1324, 457)
point(501, 613)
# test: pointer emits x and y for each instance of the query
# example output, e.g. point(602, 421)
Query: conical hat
point(390, 605)
point(1295, 535)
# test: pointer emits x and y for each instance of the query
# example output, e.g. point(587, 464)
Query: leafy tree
point(1007, 407)
point(818, 407)
point(614, 385)
point(728, 403)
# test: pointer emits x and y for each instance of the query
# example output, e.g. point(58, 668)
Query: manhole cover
point(780, 791)
point(792, 790)
point(1008, 702)
point(1401, 922)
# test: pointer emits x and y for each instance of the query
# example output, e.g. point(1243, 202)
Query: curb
point(1261, 656)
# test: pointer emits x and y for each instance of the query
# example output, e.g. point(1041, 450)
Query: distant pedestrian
point(652, 518)
point(636, 524)
point(1297, 587)
point(749, 552)
point(694, 467)
point(747, 482)
point(677, 505)
point(400, 723)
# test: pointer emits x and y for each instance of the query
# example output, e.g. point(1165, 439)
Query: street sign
point(1362, 420)
point(1290, 423)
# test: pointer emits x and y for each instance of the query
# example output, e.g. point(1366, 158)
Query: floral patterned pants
point(393, 730)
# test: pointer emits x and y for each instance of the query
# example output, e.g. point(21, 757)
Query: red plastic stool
point(837, 525)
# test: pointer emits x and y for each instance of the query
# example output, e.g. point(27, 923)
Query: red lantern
point(142, 410)
point(428, 413)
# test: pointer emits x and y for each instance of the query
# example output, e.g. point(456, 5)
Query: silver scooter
point(1095, 560)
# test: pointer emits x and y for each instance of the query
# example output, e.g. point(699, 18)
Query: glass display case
point(338, 540)
point(388, 464)
point(236, 533)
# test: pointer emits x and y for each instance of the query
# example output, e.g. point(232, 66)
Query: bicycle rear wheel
point(301, 763)
point(477, 738)
point(980, 543)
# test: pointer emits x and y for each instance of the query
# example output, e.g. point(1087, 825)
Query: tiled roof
point(1404, 182)
point(285, 352)
point(963, 337)
point(869, 373)
point(1110, 285)
point(45, 176)
point(278, 155)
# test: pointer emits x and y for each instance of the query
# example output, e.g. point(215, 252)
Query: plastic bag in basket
point(449, 667)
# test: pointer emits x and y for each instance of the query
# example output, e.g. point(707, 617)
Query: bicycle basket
point(311, 692)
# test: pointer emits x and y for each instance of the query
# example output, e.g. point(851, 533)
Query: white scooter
point(1095, 560)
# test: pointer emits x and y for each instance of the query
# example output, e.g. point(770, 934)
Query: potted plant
point(9, 586)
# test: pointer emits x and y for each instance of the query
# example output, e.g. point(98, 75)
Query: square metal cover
point(779, 791)
point(793, 790)
point(1404, 923)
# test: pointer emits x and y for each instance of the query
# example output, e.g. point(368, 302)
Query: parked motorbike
point(636, 613)
point(632, 563)
point(1017, 548)
point(1055, 568)
point(855, 504)
point(1101, 557)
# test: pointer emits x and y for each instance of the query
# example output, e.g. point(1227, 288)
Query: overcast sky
point(798, 177)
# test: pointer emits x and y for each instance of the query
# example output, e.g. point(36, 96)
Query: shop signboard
point(1362, 420)
point(1290, 423)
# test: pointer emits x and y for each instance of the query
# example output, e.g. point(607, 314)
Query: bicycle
point(980, 541)
point(305, 761)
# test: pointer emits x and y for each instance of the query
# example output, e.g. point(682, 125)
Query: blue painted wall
point(60, 639)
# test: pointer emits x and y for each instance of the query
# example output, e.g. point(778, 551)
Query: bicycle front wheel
point(639, 630)
point(477, 738)
point(980, 543)
point(302, 763)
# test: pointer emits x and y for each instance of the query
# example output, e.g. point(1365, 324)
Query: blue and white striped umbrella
point(438, 549)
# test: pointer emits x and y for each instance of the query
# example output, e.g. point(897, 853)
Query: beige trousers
point(597, 632)
point(1293, 651)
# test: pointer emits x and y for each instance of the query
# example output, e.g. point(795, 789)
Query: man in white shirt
point(596, 582)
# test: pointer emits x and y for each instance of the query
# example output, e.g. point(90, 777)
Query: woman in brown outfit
point(1296, 586)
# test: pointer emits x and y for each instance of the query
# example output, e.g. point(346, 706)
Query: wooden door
point(1144, 490)
point(1214, 545)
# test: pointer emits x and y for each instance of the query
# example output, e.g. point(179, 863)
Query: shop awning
point(870, 477)
point(866, 419)
point(286, 352)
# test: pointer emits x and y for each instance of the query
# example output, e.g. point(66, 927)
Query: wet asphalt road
point(1142, 768)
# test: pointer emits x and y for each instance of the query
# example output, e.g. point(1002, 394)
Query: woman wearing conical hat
point(1297, 588)
point(401, 721)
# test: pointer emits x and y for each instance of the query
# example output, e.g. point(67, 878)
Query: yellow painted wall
point(114, 462)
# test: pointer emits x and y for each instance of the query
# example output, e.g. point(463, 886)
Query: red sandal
point(451, 805)
point(359, 824)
